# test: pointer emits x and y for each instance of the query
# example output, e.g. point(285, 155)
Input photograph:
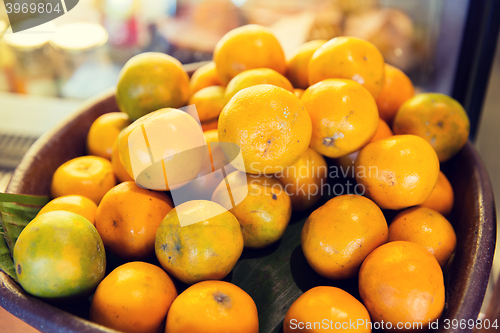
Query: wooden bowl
point(473, 217)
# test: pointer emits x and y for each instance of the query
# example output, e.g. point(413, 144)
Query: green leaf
point(16, 211)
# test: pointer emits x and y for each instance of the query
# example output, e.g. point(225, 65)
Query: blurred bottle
point(33, 70)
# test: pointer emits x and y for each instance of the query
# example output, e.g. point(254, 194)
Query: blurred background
point(47, 72)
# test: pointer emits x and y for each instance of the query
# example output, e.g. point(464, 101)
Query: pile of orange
point(333, 101)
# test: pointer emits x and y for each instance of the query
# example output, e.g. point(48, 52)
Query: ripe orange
point(247, 47)
point(118, 169)
point(156, 137)
point(72, 203)
point(203, 77)
point(103, 133)
point(298, 92)
point(402, 282)
point(383, 131)
point(398, 172)
point(297, 71)
point(213, 307)
point(349, 58)
point(253, 77)
point(425, 227)
point(264, 212)
point(437, 118)
point(344, 116)
point(209, 125)
point(397, 90)
point(135, 297)
point(269, 124)
point(208, 102)
point(338, 236)
point(199, 240)
point(127, 219)
point(89, 176)
point(332, 307)
point(149, 82)
point(442, 197)
point(304, 180)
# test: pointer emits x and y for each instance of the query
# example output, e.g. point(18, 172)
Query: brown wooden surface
point(12, 324)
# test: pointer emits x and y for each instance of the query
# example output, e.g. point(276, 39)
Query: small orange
point(103, 133)
point(298, 92)
point(264, 212)
point(349, 58)
point(397, 90)
point(269, 124)
point(149, 82)
point(442, 197)
point(89, 176)
point(332, 307)
point(247, 47)
point(437, 118)
point(146, 148)
point(209, 102)
point(401, 282)
point(213, 307)
point(199, 240)
point(127, 219)
point(120, 173)
point(338, 236)
point(134, 297)
point(398, 172)
point(304, 180)
point(344, 116)
point(203, 77)
point(425, 227)
point(72, 203)
point(383, 131)
point(211, 135)
point(347, 162)
point(253, 77)
point(297, 71)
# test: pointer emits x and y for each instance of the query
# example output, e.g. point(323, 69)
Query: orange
point(247, 47)
point(398, 172)
point(213, 307)
point(425, 227)
point(442, 197)
point(253, 77)
point(297, 71)
point(134, 297)
point(60, 256)
point(264, 211)
point(349, 58)
point(89, 176)
point(298, 92)
point(437, 118)
point(383, 131)
point(269, 124)
point(72, 203)
point(304, 180)
point(211, 135)
point(119, 170)
point(338, 236)
point(397, 90)
point(199, 240)
point(208, 102)
point(402, 282)
point(344, 116)
point(103, 133)
point(332, 307)
point(347, 162)
point(203, 77)
point(147, 145)
point(127, 219)
point(149, 82)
